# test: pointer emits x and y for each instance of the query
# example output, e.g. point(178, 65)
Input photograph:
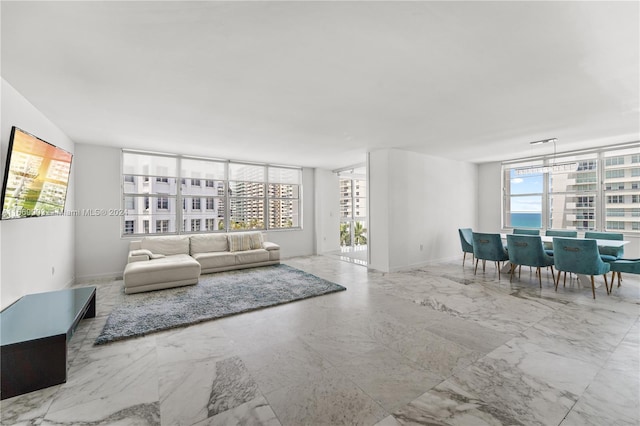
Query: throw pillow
point(256, 240)
point(239, 242)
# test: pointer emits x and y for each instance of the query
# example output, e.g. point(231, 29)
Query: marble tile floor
point(430, 346)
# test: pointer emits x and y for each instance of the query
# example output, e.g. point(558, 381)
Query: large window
point(246, 196)
point(621, 189)
point(572, 193)
point(214, 195)
point(150, 193)
point(525, 195)
point(283, 197)
point(581, 191)
point(214, 173)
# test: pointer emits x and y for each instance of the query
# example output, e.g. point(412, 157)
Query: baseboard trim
point(109, 276)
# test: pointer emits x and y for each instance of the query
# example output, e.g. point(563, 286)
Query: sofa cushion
point(252, 256)
point(167, 245)
point(167, 269)
point(213, 259)
point(205, 243)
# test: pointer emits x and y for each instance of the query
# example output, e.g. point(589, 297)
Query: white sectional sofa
point(156, 263)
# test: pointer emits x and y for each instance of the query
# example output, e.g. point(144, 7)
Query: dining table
point(600, 243)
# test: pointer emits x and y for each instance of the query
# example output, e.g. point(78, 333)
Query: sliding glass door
point(353, 210)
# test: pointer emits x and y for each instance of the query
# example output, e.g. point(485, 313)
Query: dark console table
point(34, 332)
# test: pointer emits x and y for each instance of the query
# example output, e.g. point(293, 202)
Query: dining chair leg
point(484, 265)
point(476, 269)
point(539, 276)
point(606, 284)
point(556, 282)
point(498, 267)
point(564, 283)
point(513, 268)
point(464, 257)
point(593, 287)
point(619, 279)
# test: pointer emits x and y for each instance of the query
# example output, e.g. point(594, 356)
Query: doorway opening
point(353, 215)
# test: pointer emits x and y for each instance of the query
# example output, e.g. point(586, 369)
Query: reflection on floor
point(436, 345)
point(353, 254)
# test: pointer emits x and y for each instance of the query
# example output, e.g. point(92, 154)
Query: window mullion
point(600, 198)
point(546, 196)
point(179, 202)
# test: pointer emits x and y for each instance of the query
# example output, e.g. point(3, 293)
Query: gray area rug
point(215, 296)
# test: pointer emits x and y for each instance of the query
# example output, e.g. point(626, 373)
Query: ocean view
point(526, 220)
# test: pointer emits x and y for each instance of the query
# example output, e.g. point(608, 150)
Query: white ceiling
point(321, 83)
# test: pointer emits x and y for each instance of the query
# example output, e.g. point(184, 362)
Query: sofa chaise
point(160, 262)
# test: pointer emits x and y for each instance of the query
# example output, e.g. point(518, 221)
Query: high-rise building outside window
point(162, 226)
point(128, 226)
point(163, 203)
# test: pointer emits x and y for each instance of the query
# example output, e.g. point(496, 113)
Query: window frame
point(220, 200)
point(614, 183)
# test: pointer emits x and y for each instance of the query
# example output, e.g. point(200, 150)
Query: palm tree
point(345, 234)
point(360, 233)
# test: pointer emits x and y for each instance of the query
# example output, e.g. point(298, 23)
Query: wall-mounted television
point(36, 177)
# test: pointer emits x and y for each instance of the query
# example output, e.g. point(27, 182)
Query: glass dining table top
point(601, 243)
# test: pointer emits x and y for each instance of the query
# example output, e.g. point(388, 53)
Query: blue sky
point(526, 184)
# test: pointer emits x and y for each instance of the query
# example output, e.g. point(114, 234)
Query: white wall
point(327, 201)
point(378, 196)
point(102, 252)
point(37, 254)
point(489, 197)
point(417, 204)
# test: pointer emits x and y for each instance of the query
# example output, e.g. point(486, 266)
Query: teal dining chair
point(548, 247)
point(629, 266)
point(523, 231)
point(466, 241)
point(527, 250)
point(579, 256)
point(488, 247)
point(608, 254)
